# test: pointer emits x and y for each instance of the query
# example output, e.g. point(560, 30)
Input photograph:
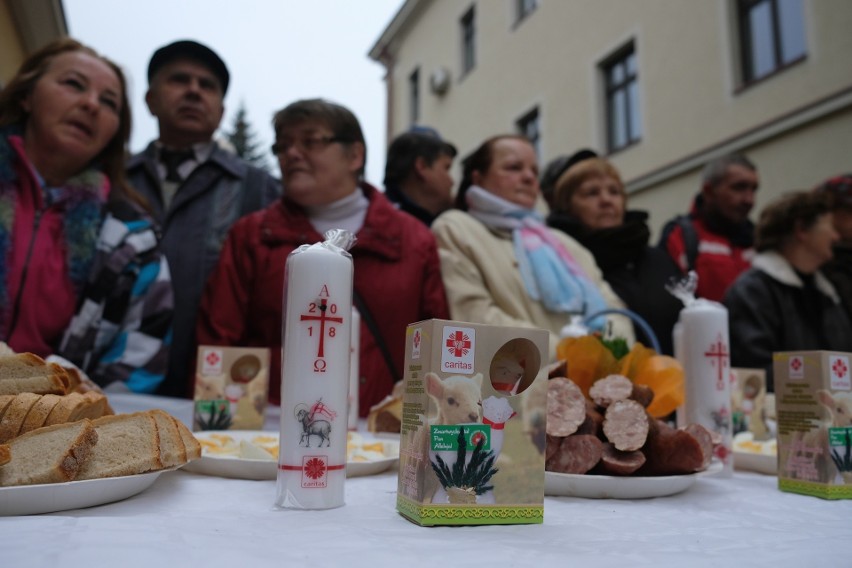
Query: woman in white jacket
point(501, 265)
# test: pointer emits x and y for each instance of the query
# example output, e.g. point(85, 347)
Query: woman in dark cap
point(784, 302)
point(589, 203)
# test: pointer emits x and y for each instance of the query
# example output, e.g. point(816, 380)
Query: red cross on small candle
point(718, 356)
point(796, 363)
point(212, 358)
point(458, 343)
point(322, 318)
point(417, 338)
point(839, 368)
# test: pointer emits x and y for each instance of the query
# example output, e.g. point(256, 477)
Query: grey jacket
point(215, 194)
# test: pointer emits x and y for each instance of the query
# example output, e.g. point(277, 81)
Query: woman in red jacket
point(322, 153)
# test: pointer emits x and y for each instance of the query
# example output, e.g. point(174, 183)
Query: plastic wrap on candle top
point(702, 347)
point(317, 315)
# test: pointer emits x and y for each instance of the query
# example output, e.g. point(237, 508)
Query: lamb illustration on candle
point(315, 421)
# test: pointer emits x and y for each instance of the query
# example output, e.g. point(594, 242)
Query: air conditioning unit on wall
point(439, 81)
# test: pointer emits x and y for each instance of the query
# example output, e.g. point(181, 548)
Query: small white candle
point(354, 364)
point(704, 350)
point(315, 374)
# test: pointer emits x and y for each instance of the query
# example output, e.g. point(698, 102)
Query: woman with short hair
point(784, 302)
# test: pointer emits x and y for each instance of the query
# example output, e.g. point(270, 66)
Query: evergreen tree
point(244, 140)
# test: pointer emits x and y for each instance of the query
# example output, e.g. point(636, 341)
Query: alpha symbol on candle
point(323, 317)
point(718, 356)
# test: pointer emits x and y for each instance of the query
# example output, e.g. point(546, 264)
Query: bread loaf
point(49, 455)
point(26, 372)
point(172, 448)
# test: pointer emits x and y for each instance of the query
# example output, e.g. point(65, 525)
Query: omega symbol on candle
point(718, 356)
point(323, 312)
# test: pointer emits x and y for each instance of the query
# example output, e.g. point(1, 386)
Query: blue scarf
point(549, 271)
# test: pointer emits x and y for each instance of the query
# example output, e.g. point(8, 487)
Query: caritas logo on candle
point(459, 347)
point(211, 362)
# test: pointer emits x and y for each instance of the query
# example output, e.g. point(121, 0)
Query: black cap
point(190, 50)
point(560, 165)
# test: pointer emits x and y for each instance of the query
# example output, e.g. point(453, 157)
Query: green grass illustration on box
point(466, 479)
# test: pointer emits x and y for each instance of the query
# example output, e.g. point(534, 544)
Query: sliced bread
point(39, 412)
point(15, 415)
point(94, 405)
point(5, 454)
point(129, 444)
point(53, 454)
point(26, 372)
point(190, 442)
point(5, 399)
point(172, 449)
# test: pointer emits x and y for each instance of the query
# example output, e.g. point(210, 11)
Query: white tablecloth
point(186, 519)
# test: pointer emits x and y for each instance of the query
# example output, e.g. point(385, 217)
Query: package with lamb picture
point(473, 424)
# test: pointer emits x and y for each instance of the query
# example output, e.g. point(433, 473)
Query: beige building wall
point(26, 25)
point(796, 125)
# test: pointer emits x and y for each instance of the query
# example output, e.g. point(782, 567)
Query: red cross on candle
point(718, 356)
point(212, 358)
point(458, 343)
point(839, 368)
point(322, 318)
point(796, 363)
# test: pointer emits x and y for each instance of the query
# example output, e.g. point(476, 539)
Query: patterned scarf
point(550, 273)
point(81, 198)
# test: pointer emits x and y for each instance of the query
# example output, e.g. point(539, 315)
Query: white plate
point(52, 497)
point(612, 487)
point(240, 468)
point(761, 463)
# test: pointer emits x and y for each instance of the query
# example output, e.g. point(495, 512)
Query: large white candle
point(354, 367)
point(315, 374)
point(704, 350)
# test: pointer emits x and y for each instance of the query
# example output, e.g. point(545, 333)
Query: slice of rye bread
point(39, 412)
point(53, 454)
point(5, 454)
point(26, 372)
point(128, 444)
point(190, 442)
point(172, 448)
point(15, 415)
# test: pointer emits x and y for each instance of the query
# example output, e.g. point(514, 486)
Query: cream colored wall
point(687, 67)
point(11, 50)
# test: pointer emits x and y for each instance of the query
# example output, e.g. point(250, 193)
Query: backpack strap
point(367, 316)
point(690, 238)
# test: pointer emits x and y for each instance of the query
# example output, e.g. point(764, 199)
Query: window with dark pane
point(772, 36)
point(529, 125)
point(468, 32)
point(524, 8)
point(414, 96)
point(621, 78)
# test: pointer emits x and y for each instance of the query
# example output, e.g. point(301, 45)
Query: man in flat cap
point(195, 188)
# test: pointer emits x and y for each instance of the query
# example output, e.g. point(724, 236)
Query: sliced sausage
point(610, 389)
point(705, 440)
point(566, 407)
point(626, 425)
point(643, 394)
point(669, 451)
point(577, 454)
point(593, 424)
point(551, 446)
point(616, 462)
